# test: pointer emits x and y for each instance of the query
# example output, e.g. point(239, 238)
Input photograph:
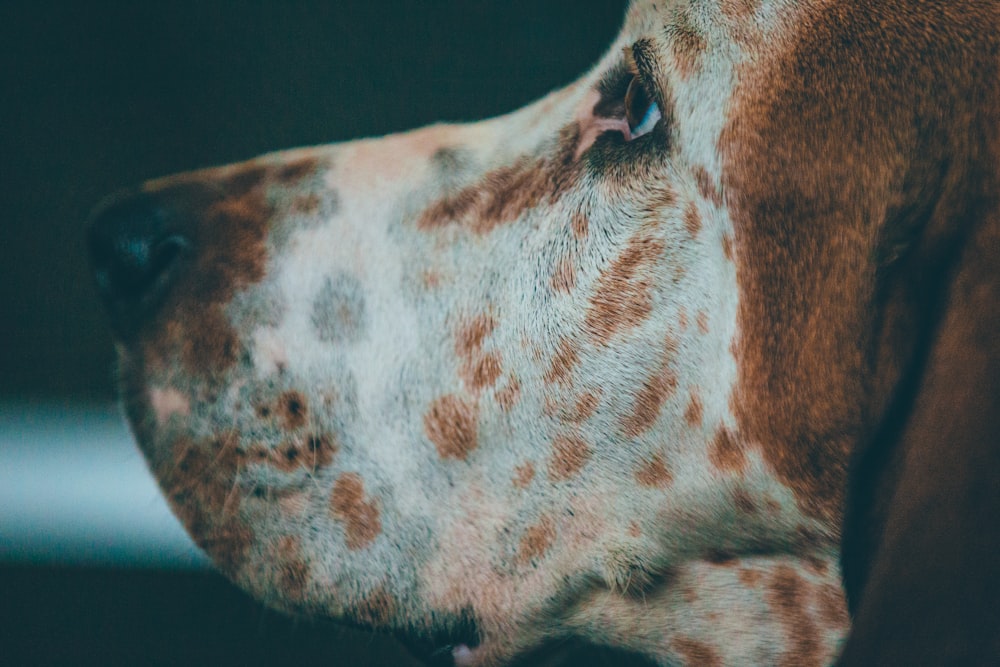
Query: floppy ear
point(921, 541)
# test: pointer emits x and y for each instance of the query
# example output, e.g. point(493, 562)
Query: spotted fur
point(536, 376)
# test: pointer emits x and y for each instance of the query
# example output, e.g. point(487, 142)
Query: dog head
point(591, 368)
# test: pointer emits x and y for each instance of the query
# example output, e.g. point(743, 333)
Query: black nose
point(136, 251)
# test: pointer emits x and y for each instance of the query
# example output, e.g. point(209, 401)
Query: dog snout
point(136, 247)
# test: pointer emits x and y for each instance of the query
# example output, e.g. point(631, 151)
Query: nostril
point(135, 248)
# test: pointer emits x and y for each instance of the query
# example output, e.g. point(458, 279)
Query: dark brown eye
point(641, 112)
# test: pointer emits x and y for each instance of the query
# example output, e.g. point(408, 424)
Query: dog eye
point(641, 112)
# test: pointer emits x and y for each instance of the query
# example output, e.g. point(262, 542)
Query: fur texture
point(545, 378)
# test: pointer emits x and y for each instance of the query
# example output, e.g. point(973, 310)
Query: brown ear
point(921, 541)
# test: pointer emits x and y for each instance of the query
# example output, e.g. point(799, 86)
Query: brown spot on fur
point(551, 406)
point(294, 171)
point(682, 319)
point(687, 45)
point(585, 406)
point(749, 578)
point(706, 186)
point(725, 453)
point(693, 413)
point(504, 194)
point(623, 298)
point(483, 373)
point(478, 370)
point(727, 246)
point(817, 566)
point(198, 481)
point(536, 541)
point(293, 408)
point(306, 204)
point(580, 225)
point(377, 609)
point(654, 393)
point(786, 596)
point(471, 336)
point(744, 502)
point(451, 424)
point(361, 518)
point(293, 572)
point(739, 10)
point(830, 606)
point(507, 397)
point(692, 220)
point(319, 450)
point(564, 277)
point(634, 530)
point(702, 320)
point(207, 342)
point(570, 453)
point(523, 474)
point(654, 473)
point(310, 453)
point(565, 358)
point(696, 653)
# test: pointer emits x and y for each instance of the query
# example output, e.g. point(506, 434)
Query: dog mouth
point(457, 646)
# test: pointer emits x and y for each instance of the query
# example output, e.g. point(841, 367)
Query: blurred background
point(99, 96)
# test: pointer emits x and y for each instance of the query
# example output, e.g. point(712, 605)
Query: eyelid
point(641, 62)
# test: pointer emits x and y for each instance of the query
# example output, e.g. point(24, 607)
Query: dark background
point(99, 96)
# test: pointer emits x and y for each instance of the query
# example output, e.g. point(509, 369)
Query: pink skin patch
point(465, 656)
point(168, 402)
point(592, 126)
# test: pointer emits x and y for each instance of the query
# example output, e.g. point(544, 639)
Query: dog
point(688, 358)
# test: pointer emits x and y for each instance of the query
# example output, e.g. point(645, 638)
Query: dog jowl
point(572, 371)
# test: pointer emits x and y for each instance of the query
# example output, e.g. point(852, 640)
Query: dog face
point(514, 380)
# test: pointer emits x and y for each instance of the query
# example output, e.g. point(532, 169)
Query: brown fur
point(623, 297)
point(197, 482)
point(523, 474)
point(293, 572)
point(361, 518)
point(876, 128)
point(508, 396)
point(696, 653)
point(693, 412)
point(787, 598)
point(569, 454)
point(231, 228)
point(692, 219)
point(377, 608)
point(653, 394)
point(451, 424)
point(654, 473)
point(564, 276)
point(706, 187)
point(565, 358)
point(687, 44)
point(293, 408)
point(725, 453)
point(309, 453)
point(536, 541)
point(504, 194)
